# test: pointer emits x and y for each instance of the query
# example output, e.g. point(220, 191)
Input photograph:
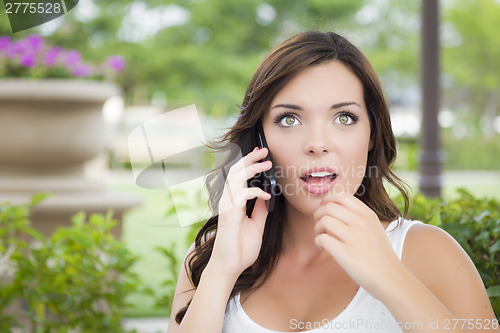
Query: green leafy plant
point(75, 281)
point(475, 224)
point(13, 222)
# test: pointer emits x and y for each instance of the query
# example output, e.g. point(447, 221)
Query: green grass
point(146, 227)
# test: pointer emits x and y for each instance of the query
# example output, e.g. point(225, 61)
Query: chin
point(303, 204)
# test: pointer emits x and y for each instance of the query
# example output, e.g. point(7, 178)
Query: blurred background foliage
point(205, 51)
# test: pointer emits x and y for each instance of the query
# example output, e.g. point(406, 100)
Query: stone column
point(431, 156)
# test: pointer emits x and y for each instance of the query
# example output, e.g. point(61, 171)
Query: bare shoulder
point(425, 238)
point(439, 261)
point(433, 254)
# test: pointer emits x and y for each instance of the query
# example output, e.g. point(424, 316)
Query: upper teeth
point(320, 174)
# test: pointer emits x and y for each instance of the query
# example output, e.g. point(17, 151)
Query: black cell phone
point(267, 179)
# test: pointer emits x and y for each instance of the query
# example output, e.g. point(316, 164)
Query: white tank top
point(363, 314)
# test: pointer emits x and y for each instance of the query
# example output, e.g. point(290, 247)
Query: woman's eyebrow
point(296, 107)
point(287, 106)
point(341, 105)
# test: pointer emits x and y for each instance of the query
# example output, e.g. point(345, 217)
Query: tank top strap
point(396, 232)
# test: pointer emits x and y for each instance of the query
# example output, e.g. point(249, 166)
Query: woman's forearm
point(414, 306)
point(206, 311)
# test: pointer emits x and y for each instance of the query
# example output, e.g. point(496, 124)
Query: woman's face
point(318, 133)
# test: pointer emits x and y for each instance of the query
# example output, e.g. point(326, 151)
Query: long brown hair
point(284, 62)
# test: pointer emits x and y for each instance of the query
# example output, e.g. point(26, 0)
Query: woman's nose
point(318, 141)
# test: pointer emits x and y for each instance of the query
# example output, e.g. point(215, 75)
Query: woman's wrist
point(408, 299)
point(207, 308)
point(394, 276)
point(215, 272)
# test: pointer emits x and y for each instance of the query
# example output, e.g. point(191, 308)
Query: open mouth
point(319, 178)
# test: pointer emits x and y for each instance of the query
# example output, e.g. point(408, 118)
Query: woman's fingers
point(245, 169)
point(330, 244)
point(255, 155)
point(236, 192)
point(332, 227)
point(249, 194)
point(336, 210)
point(347, 208)
point(240, 201)
point(249, 166)
point(249, 159)
point(239, 237)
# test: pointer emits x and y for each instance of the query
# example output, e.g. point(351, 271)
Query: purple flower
point(34, 43)
point(4, 42)
point(33, 52)
point(14, 49)
point(28, 60)
point(81, 70)
point(72, 58)
point(116, 63)
point(52, 55)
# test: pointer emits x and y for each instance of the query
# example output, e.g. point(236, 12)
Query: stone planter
point(48, 130)
point(51, 123)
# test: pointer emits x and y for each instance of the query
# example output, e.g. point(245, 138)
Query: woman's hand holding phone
point(239, 237)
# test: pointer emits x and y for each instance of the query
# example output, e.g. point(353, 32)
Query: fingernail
point(321, 202)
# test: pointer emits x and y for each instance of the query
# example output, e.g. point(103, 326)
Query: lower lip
point(318, 190)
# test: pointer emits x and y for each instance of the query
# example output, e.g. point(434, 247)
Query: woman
point(330, 256)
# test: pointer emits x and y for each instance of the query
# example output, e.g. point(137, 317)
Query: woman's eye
point(345, 119)
point(288, 121)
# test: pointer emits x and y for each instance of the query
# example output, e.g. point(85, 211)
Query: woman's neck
point(298, 237)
